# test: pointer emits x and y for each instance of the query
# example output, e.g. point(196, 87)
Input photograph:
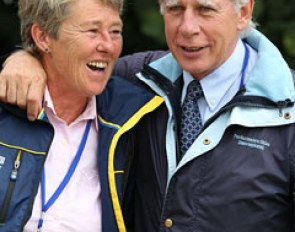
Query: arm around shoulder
point(127, 66)
point(22, 82)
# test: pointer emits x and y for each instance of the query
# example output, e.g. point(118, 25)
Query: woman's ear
point(40, 38)
point(246, 12)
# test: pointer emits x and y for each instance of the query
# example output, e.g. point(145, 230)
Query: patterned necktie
point(191, 122)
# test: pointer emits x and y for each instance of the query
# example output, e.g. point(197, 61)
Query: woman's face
point(81, 58)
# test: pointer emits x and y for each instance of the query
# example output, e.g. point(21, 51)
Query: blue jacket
point(24, 146)
point(23, 150)
point(239, 173)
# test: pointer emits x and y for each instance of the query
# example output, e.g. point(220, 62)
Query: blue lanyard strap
point(66, 179)
point(245, 63)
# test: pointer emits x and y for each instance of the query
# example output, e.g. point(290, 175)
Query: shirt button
point(64, 142)
point(212, 101)
point(168, 223)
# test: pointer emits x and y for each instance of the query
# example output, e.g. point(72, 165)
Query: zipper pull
point(16, 167)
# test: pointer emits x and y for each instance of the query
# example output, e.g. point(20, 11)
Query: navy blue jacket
point(239, 173)
point(23, 150)
point(24, 146)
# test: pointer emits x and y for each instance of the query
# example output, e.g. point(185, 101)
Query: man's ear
point(245, 14)
point(40, 37)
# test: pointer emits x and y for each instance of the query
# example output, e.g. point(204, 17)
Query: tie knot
point(194, 91)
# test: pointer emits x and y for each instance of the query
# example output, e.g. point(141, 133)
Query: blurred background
point(143, 26)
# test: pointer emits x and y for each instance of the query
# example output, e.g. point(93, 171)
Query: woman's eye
point(116, 32)
point(92, 30)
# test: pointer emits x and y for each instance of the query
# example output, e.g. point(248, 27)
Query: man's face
point(202, 34)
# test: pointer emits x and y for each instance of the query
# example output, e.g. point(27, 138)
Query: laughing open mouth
point(97, 66)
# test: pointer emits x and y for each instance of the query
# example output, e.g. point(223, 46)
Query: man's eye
point(174, 9)
point(206, 9)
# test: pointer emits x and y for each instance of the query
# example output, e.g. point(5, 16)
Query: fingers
point(7, 88)
point(11, 90)
point(35, 93)
point(20, 93)
point(13, 86)
point(22, 82)
point(2, 88)
point(11, 77)
point(33, 110)
point(20, 87)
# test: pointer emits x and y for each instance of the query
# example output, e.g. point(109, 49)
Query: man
point(238, 173)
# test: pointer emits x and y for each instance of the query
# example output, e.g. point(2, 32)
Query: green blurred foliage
point(144, 30)
point(143, 26)
point(277, 21)
point(9, 30)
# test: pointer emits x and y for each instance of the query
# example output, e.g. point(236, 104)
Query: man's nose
point(190, 24)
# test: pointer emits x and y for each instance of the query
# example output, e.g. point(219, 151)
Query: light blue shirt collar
point(221, 85)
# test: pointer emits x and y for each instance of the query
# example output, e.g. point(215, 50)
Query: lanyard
point(65, 181)
point(245, 63)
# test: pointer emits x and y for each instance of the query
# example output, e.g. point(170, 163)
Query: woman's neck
point(69, 110)
point(68, 106)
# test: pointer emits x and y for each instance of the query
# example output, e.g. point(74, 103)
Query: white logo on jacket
point(252, 142)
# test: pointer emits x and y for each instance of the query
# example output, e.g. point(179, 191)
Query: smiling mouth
point(97, 65)
point(192, 49)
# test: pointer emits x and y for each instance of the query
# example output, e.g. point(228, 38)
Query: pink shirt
point(78, 208)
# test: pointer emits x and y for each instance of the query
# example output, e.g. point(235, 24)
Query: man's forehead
point(202, 2)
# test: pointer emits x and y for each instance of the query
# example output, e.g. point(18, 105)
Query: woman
point(78, 42)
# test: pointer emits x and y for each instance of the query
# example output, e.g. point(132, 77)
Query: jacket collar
point(270, 77)
point(121, 100)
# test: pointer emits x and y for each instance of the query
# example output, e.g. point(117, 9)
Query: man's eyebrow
point(208, 3)
point(171, 2)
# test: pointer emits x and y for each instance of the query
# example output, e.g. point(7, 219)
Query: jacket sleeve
point(128, 66)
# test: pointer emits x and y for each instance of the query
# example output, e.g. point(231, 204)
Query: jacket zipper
point(166, 86)
point(10, 189)
point(159, 80)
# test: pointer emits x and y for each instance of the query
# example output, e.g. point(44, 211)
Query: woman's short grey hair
point(49, 14)
point(237, 4)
